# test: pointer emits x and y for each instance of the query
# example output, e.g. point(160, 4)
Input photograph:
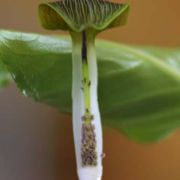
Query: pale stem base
point(88, 172)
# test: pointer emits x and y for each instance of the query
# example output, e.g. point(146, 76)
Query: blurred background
point(36, 141)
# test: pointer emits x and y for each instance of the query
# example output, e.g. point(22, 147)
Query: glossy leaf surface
point(139, 88)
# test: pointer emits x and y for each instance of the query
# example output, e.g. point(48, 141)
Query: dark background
point(36, 141)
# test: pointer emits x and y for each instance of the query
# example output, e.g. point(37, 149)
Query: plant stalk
point(86, 116)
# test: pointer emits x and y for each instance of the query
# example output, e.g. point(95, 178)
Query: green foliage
point(5, 77)
point(139, 87)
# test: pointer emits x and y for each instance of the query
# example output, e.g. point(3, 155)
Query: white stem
point(87, 172)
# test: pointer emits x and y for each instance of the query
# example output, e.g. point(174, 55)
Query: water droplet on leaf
point(24, 92)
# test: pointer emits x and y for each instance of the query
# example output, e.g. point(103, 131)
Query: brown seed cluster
point(88, 147)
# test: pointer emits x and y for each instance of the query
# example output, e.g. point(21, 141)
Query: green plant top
point(79, 15)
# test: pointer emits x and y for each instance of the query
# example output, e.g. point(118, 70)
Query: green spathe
point(80, 15)
point(139, 88)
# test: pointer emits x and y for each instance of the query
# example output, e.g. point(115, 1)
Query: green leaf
point(78, 15)
point(5, 77)
point(139, 88)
